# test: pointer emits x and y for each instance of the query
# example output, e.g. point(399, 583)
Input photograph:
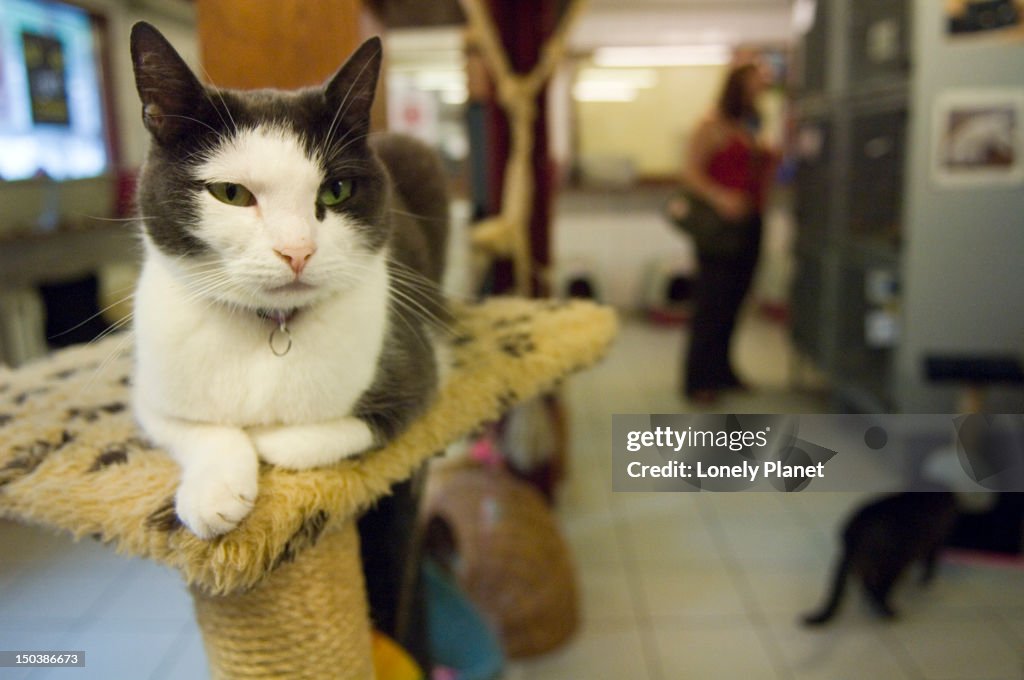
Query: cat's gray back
point(419, 203)
point(408, 370)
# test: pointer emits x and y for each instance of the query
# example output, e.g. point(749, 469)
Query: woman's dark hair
point(734, 103)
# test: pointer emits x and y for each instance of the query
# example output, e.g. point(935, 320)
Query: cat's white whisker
point(415, 306)
point(193, 120)
point(216, 90)
point(406, 213)
point(345, 104)
point(411, 278)
point(94, 316)
point(414, 330)
point(341, 149)
point(112, 356)
point(137, 218)
point(115, 327)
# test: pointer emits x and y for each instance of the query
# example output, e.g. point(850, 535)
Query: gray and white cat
point(288, 296)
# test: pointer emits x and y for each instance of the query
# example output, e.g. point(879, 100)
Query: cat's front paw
point(214, 497)
point(301, 447)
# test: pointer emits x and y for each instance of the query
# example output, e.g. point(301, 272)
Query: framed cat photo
point(978, 137)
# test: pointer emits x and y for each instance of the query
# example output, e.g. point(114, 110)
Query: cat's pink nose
point(296, 257)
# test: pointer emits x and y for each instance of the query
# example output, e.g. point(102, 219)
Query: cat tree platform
point(281, 596)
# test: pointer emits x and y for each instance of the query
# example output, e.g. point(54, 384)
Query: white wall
point(651, 131)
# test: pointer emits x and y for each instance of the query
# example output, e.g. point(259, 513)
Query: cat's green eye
point(335, 192)
point(231, 193)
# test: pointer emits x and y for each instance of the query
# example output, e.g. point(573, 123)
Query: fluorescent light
point(612, 84)
point(634, 77)
point(448, 79)
point(603, 92)
point(663, 55)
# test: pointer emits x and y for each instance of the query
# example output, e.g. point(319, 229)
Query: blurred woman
point(729, 167)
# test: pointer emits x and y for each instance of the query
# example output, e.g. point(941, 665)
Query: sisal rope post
point(306, 620)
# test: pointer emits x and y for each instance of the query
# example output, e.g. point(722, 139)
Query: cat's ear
point(351, 90)
point(170, 92)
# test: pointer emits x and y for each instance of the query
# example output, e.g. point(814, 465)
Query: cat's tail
point(839, 578)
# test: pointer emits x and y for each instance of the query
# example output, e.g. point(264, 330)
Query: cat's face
point(261, 199)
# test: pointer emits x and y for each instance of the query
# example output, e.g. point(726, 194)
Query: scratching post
point(282, 595)
point(306, 621)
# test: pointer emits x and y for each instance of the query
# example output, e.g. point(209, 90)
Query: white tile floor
point(711, 585)
point(673, 585)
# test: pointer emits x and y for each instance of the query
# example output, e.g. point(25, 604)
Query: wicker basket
point(509, 556)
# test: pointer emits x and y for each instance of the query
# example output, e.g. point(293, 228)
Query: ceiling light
point(603, 92)
point(664, 55)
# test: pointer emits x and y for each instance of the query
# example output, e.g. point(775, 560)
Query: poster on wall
point(47, 86)
point(979, 137)
point(413, 111)
point(970, 20)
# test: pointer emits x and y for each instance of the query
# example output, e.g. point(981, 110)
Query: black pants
point(722, 283)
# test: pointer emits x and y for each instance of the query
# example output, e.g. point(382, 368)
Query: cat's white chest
point(203, 362)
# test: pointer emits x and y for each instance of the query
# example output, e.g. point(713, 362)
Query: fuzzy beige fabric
point(72, 458)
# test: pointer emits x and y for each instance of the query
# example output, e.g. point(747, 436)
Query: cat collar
point(280, 339)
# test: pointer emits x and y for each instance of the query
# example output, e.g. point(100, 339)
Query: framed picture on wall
point(979, 137)
point(985, 19)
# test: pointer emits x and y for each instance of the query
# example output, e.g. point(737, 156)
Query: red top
point(738, 165)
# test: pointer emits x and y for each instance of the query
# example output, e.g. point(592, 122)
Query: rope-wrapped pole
point(308, 619)
point(507, 234)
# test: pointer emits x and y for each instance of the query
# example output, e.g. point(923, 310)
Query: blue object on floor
point(459, 637)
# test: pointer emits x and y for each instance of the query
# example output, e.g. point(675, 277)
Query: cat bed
point(282, 594)
point(508, 556)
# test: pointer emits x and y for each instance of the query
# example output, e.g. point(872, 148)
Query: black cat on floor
point(882, 539)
